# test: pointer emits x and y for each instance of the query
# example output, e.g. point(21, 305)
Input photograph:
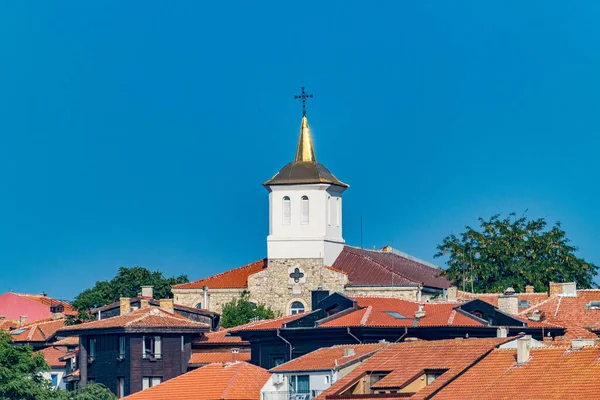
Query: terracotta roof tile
point(329, 358)
point(275, 323)
point(6, 325)
point(68, 341)
point(218, 337)
point(48, 301)
point(232, 279)
point(52, 354)
point(492, 298)
point(384, 311)
point(220, 357)
point(550, 373)
point(235, 381)
point(377, 267)
point(39, 331)
point(454, 356)
point(149, 317)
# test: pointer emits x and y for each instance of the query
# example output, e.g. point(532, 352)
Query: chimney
point(529, 289)
point(502, 332)
point(567, 289)
point(22, 320)
point(125, 305)
point(387, 249)
point(205, 300)
point(509, 301)
point(167, 305)
point(144, 303)
point(2, 317)
point(451, 293)
point(349, 352)
point(316, 297)
point(523, 347)
point(578, 344)
point(234, 353)
point(148, 291)
point(420, 313)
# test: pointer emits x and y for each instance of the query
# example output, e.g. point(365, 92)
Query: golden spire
point(305, 150)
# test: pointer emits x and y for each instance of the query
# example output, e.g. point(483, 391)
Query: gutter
point(350, 333)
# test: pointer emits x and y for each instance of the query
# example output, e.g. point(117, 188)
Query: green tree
point(20, 372)
point(126, 283)
point(240, 311)
point(513, 252)
point(92, 391)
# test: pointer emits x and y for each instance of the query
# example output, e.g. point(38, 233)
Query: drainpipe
point(205, 301)
point(282, 338)
point(404, 334)
point(357, 339)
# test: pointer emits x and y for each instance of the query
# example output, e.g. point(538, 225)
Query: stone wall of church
point(216, 297)
point(408, 293)
point(287, 280)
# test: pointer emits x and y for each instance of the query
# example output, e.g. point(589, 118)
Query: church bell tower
point(305, 205)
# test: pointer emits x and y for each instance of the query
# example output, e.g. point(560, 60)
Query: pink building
point(33, 307)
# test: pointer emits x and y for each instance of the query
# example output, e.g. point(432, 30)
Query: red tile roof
point(329, 358)
point(404, 362)
point(52, 354)
point(275, 323)
point(236, 381)
point(219, 337)
point(68, 341)
point(39, 331)
point(571, 313)
point(232, 279)
point(492, 298)
point(374, 311)
point(48, 301)
point(378, 267)
point(220, 357)
point(6, 325)
point(148, 317)
point(550, 373)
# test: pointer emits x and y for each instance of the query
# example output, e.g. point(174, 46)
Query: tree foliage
point(241, 310)
point(513, 252)
point(126, 283)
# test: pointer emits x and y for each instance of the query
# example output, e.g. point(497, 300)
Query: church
point(306, 251)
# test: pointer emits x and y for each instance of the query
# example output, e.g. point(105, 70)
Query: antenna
point(361, 233)
point(392, 262)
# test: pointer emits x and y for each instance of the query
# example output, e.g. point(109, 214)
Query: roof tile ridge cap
point(365, 317)
point(558, 306)
point(525, 311)
point(264, 260)
point(31, 331)
point(143, 316)
point(451, 317)
point(232, 380)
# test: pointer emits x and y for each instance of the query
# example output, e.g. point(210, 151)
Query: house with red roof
point(135, 350)
point(23, 308)
point(216, 381)
point(306, 251)
point(58, 366)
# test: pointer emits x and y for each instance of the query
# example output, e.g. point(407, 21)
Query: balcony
point(290, 395)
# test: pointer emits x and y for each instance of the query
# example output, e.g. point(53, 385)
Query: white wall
point(60, 375)
point(321, 237)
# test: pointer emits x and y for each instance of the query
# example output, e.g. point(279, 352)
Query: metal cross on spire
point(303, 96)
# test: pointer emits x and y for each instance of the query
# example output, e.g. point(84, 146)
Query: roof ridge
point(365, 317)
point(525, 311)
point(264, 260)
point(232, 379)
point(400, 254)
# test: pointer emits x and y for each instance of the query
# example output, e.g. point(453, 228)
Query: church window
point(329, 210)
point(199, 305)
point(304, 209)
point(338, 211)
point(296, 308)
point(287, 211)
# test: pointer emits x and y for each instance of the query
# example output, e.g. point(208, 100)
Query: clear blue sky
point(139, 132)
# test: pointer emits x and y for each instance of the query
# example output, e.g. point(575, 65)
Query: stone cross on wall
point(296, 275)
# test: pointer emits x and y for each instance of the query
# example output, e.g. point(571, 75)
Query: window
point(523, 303)
point(54, 378)
point(593, 305)
point(120, 387)
point(304, 210)
point(199, 305)
point(395, 315)
point(149, 381)
point(92, 349)
point(328, 210)
point(338, 210)
point(182, 342)
point(57, 308)
point(299, 384)
point(287, 211)
point(296, 308)
point(327, 379)
point(152, 347)
point(121, 347)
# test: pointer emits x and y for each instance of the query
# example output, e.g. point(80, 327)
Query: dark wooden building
point(135, 350)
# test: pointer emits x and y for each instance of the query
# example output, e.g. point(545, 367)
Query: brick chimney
point(167, 305)
point(529, 289)
point(509, 301)
point(144, 303)
point(567, 289)
point(234, 353)
point(22, 320)
point(125, 305)
point(451, 293)
point(148, 291)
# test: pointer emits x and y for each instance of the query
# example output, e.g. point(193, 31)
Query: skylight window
point(523, 303)
point(593, 305)
point(395, 314)
point(18, 331)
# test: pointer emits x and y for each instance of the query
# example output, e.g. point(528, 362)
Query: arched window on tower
point(304, 210)
point(328, 210)
point(296, 308)
point(338, 211)
point(287, 211)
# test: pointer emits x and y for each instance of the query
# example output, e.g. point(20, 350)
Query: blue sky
point(139, 132)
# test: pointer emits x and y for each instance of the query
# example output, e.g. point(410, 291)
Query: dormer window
point(304, 210)
point(287, 210)
point(57, 308)
point(593, 305)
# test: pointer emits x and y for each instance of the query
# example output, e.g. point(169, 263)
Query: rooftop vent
point(509, 291)
point(420, 313)
point(537, 316)
point(349, 352)
point(593, 305)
